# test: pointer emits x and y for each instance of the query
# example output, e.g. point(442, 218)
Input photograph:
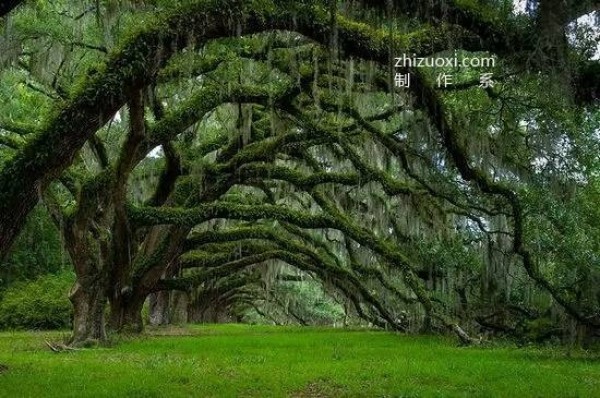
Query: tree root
point(60, 347)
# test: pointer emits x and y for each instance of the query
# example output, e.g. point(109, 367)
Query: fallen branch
point(58, 347)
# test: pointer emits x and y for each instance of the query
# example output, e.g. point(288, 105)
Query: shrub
point(39, 304)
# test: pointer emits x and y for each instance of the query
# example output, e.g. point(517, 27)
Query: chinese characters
point(444, 80)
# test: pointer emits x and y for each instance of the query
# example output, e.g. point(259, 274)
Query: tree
point(284, 141)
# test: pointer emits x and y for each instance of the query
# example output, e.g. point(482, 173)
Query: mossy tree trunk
point(89, 301)
point(126, 315)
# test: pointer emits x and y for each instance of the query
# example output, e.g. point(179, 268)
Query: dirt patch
point(320, 388)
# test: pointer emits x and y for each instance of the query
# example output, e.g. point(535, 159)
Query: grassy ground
point(253, 361)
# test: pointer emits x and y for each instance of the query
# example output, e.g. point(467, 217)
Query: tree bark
point(160, 308)
point(179, 307)
point(126, 313)
point(208, 310)
point(89, 300)
point(553, 16)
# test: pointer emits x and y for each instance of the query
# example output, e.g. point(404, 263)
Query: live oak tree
point(215, 146)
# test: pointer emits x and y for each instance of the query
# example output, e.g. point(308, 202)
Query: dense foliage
point(231, 160)
point(37, 251)
point(39, 304)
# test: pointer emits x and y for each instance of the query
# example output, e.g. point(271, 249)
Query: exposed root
point(463, 336)
point(60, 347)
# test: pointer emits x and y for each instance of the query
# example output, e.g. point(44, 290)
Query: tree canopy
point(234, 149)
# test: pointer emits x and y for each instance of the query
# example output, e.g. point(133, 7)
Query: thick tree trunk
point(179, 307)
point(89, 301)
point(553, 16)
point(160, 308)
point(211, 312)
point(126, 314)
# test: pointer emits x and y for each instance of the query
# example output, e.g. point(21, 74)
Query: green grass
point(259, 361)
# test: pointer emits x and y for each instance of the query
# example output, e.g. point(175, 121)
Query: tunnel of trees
point(227, 158)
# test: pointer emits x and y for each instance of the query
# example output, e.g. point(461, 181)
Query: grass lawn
point(259, 361)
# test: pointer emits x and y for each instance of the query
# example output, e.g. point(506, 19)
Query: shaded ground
point(253, 361)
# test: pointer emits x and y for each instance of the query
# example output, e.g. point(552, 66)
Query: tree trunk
point(553, 16)
point(126, 314)
point(89, 301)
point(160, 308)
point(209, 312)
point(179, 307)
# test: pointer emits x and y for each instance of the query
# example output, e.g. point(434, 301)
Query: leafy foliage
point(39, 304)
point(211, 147)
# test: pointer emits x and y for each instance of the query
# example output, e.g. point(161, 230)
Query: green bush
point(40, 304)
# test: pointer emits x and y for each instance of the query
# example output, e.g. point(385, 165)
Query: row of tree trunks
point(90, 323)
point(168, 308)
point(125, 316)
